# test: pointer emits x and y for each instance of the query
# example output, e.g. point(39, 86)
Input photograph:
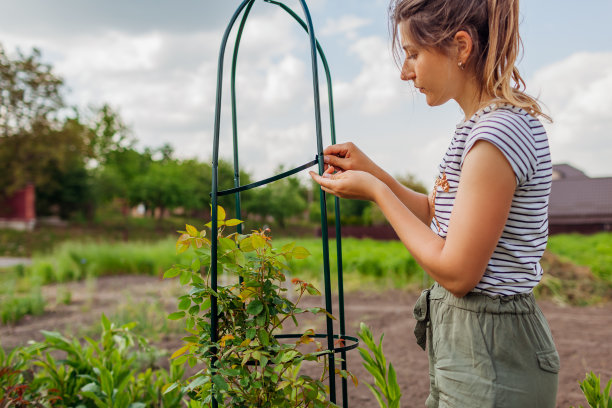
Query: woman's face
point(433, 73)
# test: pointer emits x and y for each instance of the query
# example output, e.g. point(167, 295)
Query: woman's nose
point(407, 73)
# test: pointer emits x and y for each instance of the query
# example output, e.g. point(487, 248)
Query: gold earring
point(460, 65)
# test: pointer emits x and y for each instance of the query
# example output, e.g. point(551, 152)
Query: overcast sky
point(155, 61)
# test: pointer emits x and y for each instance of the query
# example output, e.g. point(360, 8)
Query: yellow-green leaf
point(233, 222)
point(220, 213)
point(180, 248)
point(282, 385)
point(257, 241)
point(288, 247)
point(191, 230)
point(246, 244)
point(179, 352)
point(300, 253)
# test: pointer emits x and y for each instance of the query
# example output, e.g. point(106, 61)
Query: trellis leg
point(323, 202)
point(215, 187)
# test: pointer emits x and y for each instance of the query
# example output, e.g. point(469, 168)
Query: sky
point(156, 63)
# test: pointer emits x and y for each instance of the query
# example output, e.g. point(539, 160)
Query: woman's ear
point(464, 44)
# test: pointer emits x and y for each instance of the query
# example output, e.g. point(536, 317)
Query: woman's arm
point(479, 214)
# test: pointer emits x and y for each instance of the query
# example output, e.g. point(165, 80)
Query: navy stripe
point(514, 265)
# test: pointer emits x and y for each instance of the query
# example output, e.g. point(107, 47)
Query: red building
point(18, 211)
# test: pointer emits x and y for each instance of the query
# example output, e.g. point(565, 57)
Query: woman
point(483, 229)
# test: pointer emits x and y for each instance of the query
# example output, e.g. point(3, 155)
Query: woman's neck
point(473, 98)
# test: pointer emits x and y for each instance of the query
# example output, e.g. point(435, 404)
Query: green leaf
point(184, 304)
point(250, 333)
point(176, 315)
point(180, 360)
point(394, 389)
point(194, 310)
point(185, 277)
point(263, 337)
point(219, 382)
point(171, 273)
point(312, 290)
point(195, 265)
point(105, 322)
point(169, 388)
point(255, 307)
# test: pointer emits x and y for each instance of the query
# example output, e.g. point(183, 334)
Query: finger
point(323, 182)
point(337, 149)
point(328, 172)
point(339, 162)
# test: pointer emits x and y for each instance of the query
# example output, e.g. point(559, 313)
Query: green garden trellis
point(347, 342)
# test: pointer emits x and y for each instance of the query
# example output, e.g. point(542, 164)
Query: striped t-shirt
point(514, 266)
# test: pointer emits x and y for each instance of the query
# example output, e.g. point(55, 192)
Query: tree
point(68, 188)
point(30, 93)
point(281, 199)
point(30, 103)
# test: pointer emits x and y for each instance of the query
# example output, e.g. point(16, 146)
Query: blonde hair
point(493, 27)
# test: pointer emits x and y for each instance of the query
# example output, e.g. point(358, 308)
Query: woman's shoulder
point(506, 113)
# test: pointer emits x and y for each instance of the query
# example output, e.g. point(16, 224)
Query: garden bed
point(582, 333)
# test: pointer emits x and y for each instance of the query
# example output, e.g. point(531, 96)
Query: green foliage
point(591, 387)
point(250, 366)
point(281, 200)
point(74, 261)
point(362, 258)
point(103, 373)
point(16, 305)
point(387, 392)
point(594, 251)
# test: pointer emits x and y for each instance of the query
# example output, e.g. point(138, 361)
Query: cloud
point(578, 93)
point(347, 25)
point(376, 88)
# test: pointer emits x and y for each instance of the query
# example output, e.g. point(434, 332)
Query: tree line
point(80, 160)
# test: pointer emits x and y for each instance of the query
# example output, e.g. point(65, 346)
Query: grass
point(593, 251)
point(78, 260)
point(367, 264)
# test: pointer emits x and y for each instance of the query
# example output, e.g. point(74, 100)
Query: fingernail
point(325, 159)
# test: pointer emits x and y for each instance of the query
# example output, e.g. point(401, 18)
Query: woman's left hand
point(352, 184)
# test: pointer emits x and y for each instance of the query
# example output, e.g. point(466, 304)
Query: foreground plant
point(248, 366)
point(591, 387)
point(388, 393)
point(103, 373)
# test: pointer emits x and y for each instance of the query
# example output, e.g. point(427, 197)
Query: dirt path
point(582, 334)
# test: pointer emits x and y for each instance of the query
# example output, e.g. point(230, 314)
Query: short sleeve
point(510, 132)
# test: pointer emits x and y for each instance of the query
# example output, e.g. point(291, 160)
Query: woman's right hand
point(347, 156)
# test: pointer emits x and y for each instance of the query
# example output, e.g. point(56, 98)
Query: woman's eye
point(411, 56)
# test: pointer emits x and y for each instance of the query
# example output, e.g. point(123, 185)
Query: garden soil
point(582, 334)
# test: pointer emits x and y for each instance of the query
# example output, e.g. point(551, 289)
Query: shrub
point(247, 365)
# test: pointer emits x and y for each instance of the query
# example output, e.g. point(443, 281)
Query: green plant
point(591, 387)
point(13, 306)
point(104, 373)
point(376, 363)
point(247, 366)
point(16, 377)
